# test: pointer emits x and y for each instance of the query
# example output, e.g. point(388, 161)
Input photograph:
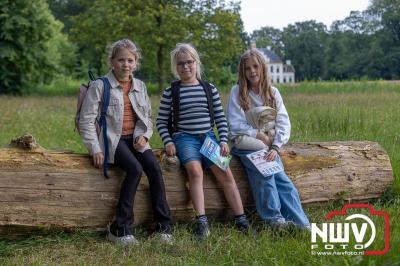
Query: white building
point(277, 70)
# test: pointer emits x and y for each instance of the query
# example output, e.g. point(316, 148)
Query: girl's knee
point(135, 170)
point(226, 180)
point(154, 166)
point(195, 177)
point(194, 170)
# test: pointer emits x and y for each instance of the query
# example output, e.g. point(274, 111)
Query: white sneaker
point(166, 239)
point(128, 240)
point(278, 223)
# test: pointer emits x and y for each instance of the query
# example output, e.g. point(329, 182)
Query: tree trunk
point(63, 190)
point(160, 59)
point(160, 64)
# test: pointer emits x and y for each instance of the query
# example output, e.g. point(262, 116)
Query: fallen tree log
point(63, 190)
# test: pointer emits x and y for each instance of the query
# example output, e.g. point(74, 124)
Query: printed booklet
point(264, 167)
point(211, 150)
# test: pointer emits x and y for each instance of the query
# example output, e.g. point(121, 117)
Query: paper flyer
point(211, 150)
point(264, 167)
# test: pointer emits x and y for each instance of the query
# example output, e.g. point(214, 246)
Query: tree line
point(363, 45)
point(43, 40)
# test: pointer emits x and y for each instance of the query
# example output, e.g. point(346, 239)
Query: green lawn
point(318, 112)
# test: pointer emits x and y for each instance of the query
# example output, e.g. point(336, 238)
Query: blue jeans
point(275, 196)
point(188, 147)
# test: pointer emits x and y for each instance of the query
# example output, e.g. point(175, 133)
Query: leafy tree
point(336, 63)
point(216, 29)
point(243, 35)
point(369, 43)
point(387, 13)
point(63, 10)
point(356, 22)
point(347, 48)
point(269, 36)
point(156, 26)
point(305, 45)
point(166, 27)
point(30, 45)
point(94, 29)
point(364, 44)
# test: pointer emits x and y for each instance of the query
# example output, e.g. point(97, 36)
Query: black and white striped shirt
point(194, 117)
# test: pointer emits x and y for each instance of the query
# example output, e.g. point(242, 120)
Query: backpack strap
point(208, 90)
point(91, 75)
point(103, 123)
point(175, 93)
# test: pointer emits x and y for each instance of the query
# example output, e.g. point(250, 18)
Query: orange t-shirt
point(129, 120)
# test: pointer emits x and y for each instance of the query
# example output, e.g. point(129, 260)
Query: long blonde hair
point(185, 48)
point(265, 82)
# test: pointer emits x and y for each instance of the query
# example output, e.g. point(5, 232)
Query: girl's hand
point(98, 159)
point(224, 149)
point(170, 149)
point(140, 142)
point(271, 155)
point(264, 138)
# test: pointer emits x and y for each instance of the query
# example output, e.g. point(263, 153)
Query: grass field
point(318, 112)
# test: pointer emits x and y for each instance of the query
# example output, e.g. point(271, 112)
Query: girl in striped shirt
point(194, 125)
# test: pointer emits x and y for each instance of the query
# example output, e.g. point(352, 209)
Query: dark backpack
point(173, 118)
point(102, 123)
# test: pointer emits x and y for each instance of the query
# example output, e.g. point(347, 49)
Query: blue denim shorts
point(188, 147)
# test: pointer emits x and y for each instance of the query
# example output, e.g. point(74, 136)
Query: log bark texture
point(41, 188)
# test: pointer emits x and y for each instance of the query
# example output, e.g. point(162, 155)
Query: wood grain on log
point(63, 190)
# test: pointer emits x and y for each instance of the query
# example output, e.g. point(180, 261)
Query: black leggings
point(134, 162)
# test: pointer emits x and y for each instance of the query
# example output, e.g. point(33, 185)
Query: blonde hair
point(185, 48)
point(124, 44)
point(265, 82)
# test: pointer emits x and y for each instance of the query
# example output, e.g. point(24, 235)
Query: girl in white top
point(277, 200)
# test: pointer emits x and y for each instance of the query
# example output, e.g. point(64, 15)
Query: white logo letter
point(339, 238)
point(360, 234)
point(322, 233)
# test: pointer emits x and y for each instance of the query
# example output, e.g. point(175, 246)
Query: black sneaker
point(202, 231)
point(242, 225)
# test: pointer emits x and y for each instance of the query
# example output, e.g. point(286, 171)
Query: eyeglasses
point(189, 63)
